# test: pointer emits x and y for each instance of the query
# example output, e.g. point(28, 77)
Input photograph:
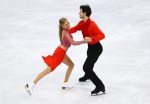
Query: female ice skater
point(58, 56)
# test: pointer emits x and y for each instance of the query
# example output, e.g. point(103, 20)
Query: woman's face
point(66, 25)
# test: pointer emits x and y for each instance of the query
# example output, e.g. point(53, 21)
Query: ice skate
point(66, 86)
point(29, 88)
point(98, 91)
point(83, 79)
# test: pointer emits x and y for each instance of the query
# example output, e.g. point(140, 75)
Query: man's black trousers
point(93, 53)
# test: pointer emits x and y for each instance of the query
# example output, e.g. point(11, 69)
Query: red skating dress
point(54, 60)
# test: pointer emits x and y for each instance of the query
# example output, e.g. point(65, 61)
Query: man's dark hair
point(86, 9)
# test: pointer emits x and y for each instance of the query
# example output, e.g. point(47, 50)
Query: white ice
point(28, 30)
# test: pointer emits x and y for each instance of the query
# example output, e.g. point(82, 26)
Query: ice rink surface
point(29, 29)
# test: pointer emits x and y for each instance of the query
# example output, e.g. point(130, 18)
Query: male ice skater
point(92, 35)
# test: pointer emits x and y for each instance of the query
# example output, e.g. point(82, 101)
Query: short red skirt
point(57, 57)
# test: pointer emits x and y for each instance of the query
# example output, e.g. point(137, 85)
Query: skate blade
point(97, 94)
point(66, 88)
point(27, 90)
point(88, 80)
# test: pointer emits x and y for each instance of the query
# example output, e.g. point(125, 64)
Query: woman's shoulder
point(65, 31)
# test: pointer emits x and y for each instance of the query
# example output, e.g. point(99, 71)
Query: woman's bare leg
point(42, 74)
point(70, 65)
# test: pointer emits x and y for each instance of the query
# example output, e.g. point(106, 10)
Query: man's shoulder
point(92, 22)
point(81, 21)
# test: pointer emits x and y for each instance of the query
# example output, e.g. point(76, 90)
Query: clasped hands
point(87, 39)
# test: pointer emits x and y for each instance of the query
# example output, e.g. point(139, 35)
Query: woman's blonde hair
point(61, 22)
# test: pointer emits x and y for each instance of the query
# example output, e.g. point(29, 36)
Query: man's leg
point(93, 53)
point(85, 77)
point(90, 74)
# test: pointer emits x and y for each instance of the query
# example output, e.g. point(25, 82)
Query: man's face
point(82, 15)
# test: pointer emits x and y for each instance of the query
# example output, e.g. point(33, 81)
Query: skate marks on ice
point(79, 94)
point(119, 95)
point(114, 94)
